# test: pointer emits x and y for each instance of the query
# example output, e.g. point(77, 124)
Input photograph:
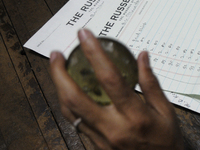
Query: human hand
point(128, 123)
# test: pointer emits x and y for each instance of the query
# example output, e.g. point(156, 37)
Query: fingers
point(150, 86)
point(106, 72)
point(93, 135)
point(71, 96)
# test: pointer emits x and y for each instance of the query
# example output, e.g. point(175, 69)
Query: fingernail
point(53, 56)
point(83, 35)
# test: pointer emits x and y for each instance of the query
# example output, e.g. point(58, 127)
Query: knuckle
point(151, 79)
point(109, 78)
point(138, 126)
point(151, 82)
point(142, 124)
point(89, 52)
point(91, 47)
point(69, 100)
point(118, 135)
point(116, 140)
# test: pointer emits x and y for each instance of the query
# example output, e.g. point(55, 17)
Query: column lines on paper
point(181, 46)
point(166, 57)
point(154, 22)
point(177, 36)
point(197, 78)
point(161, 25)
point(167, 30)
point(190, 59)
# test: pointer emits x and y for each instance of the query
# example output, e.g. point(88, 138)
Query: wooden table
point(30, 117)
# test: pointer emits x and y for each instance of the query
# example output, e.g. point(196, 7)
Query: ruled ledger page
point(167, 29)
point(60, 32)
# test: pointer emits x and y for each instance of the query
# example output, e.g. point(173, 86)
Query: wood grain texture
point(190, 127)
point(31, 88)
point(27, 17)
point(54, 6)
point(18, 125)
point(2, 142)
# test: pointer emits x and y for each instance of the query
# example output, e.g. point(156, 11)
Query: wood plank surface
point(26, 24)
point(17, 122)
point(2, 142)
point(30, 86)
point(190, 127)
point(55, 5)
point(30, 116)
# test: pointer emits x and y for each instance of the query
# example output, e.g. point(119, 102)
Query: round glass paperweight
point(83, 74)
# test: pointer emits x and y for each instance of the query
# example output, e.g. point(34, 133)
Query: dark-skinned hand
point(128, 123)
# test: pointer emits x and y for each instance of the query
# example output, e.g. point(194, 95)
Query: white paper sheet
point(61, 30)
point(190, 101)
point(168, 29)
